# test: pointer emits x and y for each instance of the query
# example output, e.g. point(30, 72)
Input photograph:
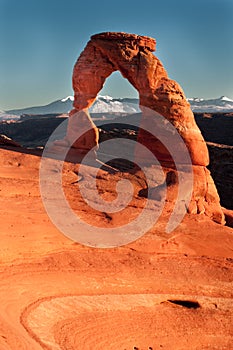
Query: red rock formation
point(78, 124)
point(132, 55)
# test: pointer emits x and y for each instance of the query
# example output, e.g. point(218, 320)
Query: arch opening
point(117, 86)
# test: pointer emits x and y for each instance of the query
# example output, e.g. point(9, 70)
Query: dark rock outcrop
point(7, 141)
point(221, 167)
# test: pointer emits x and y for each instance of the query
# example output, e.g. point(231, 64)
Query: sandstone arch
point(132, 55)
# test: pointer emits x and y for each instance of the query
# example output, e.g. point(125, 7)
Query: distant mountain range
point(108, 104)
point(222, 104)
point(103, 104)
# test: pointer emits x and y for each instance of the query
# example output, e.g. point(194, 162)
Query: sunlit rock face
point(133, 56)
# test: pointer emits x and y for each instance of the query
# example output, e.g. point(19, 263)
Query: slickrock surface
point(168, 291)
point(132, 55)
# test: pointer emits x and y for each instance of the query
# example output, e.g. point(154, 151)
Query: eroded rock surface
point(133, 56)
point(58, 294)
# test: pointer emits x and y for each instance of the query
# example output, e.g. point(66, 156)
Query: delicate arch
point(132, 55)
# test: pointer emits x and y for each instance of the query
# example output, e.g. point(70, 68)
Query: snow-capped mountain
point(6, 116)
point(108, 104)
point(60, 106)
point(102, 104)
point(222, 104)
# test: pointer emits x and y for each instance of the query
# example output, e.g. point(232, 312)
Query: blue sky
point(40, 41)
